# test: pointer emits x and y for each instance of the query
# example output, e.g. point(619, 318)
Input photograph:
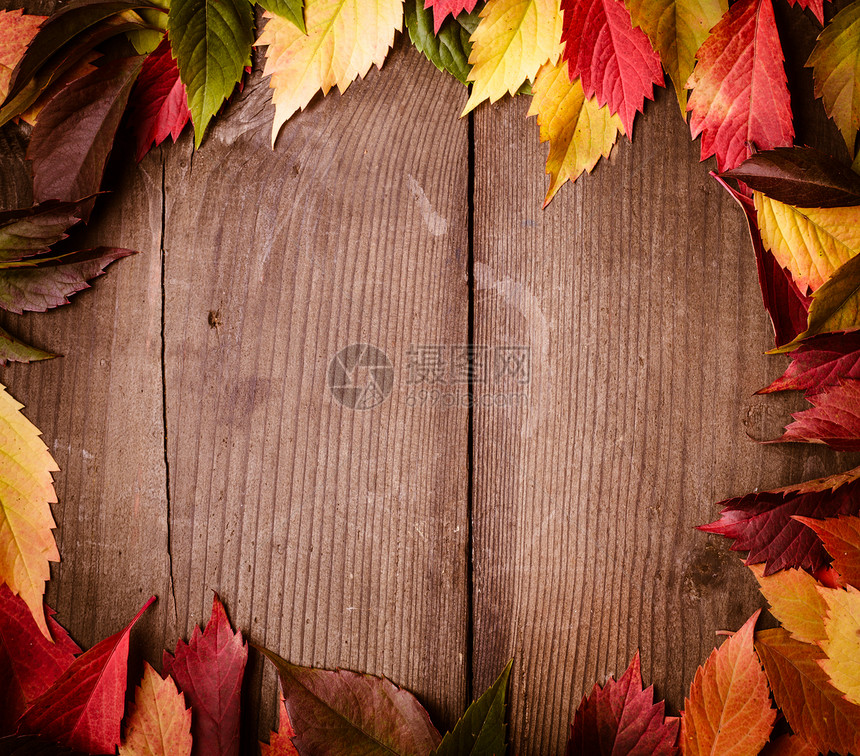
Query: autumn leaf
point(31, 230)
point(799, 176)
point(158, 106)
point(789, 745)
point(158, 724)
point(292, 10)
point(14, 350)
point(447, 49)
point(74, 135)
point(29, 662)
point(16, 31)
point(811, 242)
point(30, 745)
point(739, 87)
point(762, 523)
point(209, 671)
point(834, 418)
point(614, 60)
point(336, 710)
point(512, 41)
point(813, 707)
point(835, 63)
point(819, 363)
point(280, 742)
point(344, 39)
point(841, 538)
point(578, 130)
point(443, 8)
point(841, 644)
point(795, 601)
point(83, 708)
point(677, 29)
point(622, 718)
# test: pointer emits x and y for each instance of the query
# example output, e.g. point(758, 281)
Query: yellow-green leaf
point(513, 40)
point(345, 38)
point(578, 130)
point(794, 600)
point(835, 63)
point(677, 29)
point(26, 492)
point(842, 644)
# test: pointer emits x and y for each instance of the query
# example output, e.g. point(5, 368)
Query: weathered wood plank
point(636, 292)
point(335, 536)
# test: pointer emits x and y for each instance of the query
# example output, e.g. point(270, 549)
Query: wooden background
point(200, 449)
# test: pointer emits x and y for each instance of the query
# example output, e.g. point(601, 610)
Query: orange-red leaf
point(728, 710)
point(444, 8)
point(16, 31)
point(789, 745)
point(281, 742)
point(834, 418)
point(841, 538)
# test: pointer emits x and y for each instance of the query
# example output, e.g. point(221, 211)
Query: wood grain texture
point(336, 537)
point(636, 292)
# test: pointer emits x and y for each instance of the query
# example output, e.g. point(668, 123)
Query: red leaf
point(783, 300)
point(762, 523)
point(281, 742)
point(622, 718)
point(841, 538)
point(29, 662)
point(83, 708)
point(614, 60)
point(821, 362)
point(208, 670)
point(159, 103)
point(442, 8)
point(816, 6)
point(833, 420)
point(740, 97)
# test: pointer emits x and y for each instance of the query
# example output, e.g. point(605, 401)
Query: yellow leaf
point(578, 130)
point(794, 600)
point(26, 490)
point(810, 242)
point(345, 38)
point(842, 645)
point(513, 40)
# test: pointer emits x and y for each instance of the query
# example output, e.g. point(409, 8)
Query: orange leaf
point(16, 31)
point(841, 538)
point(281, 742)
point(789, 745)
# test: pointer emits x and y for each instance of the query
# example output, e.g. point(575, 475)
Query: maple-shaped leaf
point(728, 709)
point(512, 41)
point(614, 60)
point(281, 742)
point(622, 718)
point(811, 242)
point(841, 645)
point(579, 131)
point(841, 538)
point(740, 97)
point(39, 283)
point(211, 41)
point(31, 745)
point(74, 135)
point(800, 176)
point(159, 105)
point(16, 31)
point(31, 230)
point(818, 363)
point(344, 39)
point(447, 49)
point(834, 418)
point(835, 63)
point(83, 708)
point(29, 662)
point(762, 523)
point(813, 707)
point(677, 29)
point(794, 600)
point(158, 724)
point(14, 350)
point(209, 670)
point(443, 8)
point(785, 304)
point(481, 730)
point(26, 493)
point(292, 10)
point(335, 712)
point(789, 745)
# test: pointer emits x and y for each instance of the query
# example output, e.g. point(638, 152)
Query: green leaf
point(211, 41)
point(292, 10)
point(13, 350)
point(449, 50)
point(481, 730)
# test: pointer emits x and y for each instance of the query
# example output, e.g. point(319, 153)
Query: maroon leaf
point(821, 362)
point(75, 131)
point(783, 300)
point(83, 708)
point(800, 176)
point(208, 670)
point(30, 745)
point(31, 230)
point(159, 103)
point(816, 6)
point(49, 281)
point(762, 524)
point(29, 662)
point(622, 718)
point(833, 420)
